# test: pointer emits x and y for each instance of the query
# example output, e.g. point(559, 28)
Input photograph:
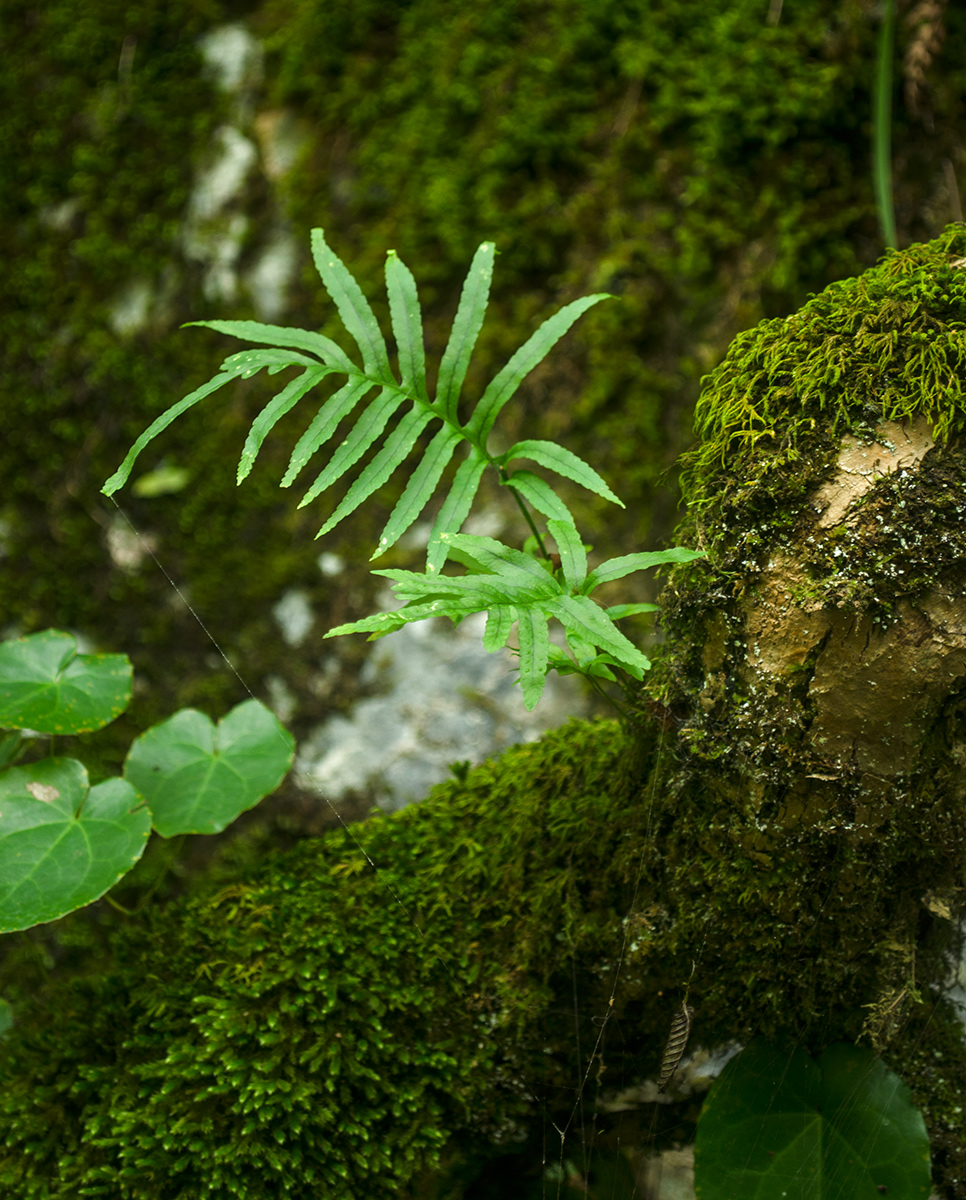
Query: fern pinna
point(512, 586)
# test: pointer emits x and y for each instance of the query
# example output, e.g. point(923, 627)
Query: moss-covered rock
point(324, 1022)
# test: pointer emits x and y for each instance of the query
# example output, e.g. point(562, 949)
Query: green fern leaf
point(617, 612)
point(455, 507)
point(394, 451)
point(532, 352)
point(573, 556)
point(407, 325)
point(534, 653)
point(247, 363)
point(499, 623)
point(465, 331)
point(564, 462)
point(370, 424)
point(278, 335)
point(581, 615)
point(539, 495)
point(617, 568)
point(513, 586)
point(324, 424)
point(354, 309)
point(422, 483)
point(120, 476)
point(273, 412)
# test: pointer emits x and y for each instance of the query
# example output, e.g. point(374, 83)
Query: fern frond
point(515, 587)
point(318, 356)
point(395, 450)
point(354, 309)
point(324, 424)
point(533, 351)
point(421, 486)
point(466, 329)
point(273, 412)
point(370, 424)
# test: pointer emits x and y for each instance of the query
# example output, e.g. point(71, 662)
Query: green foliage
point(778, 1123)
point(512, 586)
point(63, 843)
point(410, 389)
point(197, 778)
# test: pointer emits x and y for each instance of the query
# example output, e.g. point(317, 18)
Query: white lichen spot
point(233, 56)
point(281, 698)
point(222, 180)
point(128, 548)
point(131, 310)
point(270, 278)
point(330, 564)
point(43, 791)
point(294, 616)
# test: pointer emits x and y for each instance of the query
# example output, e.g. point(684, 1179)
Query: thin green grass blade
point(407, 325)
point(353, 307)
point(455, 507)
point(534, 653)
point(394, 450)
point(273, 412)
point(160, 424)
point(532, 352)
point(422, 483)
point(367, 428)
point(564, 462)
point(278, 335)
point(539, 495)
point(882, 125)
point(617, 568)
point(324, 424)
point(465, 331)
point(499, 622)
point(573, 556)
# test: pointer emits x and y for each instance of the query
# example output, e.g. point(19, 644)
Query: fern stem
point(526, 513)
point(882, 125)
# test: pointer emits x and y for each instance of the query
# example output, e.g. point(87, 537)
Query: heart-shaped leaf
point(46, 685)
point(63, 843)
point(778, 1123)
point(197, 779)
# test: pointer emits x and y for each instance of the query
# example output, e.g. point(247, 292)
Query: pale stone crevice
point(896, 446)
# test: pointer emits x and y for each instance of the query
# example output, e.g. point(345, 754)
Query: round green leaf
point(63, 843)
point(47, 686)
point(779, 1124)
point(197, 779)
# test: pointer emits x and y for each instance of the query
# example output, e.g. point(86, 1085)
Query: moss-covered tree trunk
point(499, 965)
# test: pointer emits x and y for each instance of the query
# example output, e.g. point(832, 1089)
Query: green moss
point(889, 345)
point(405, 995)
point(312, 1024)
